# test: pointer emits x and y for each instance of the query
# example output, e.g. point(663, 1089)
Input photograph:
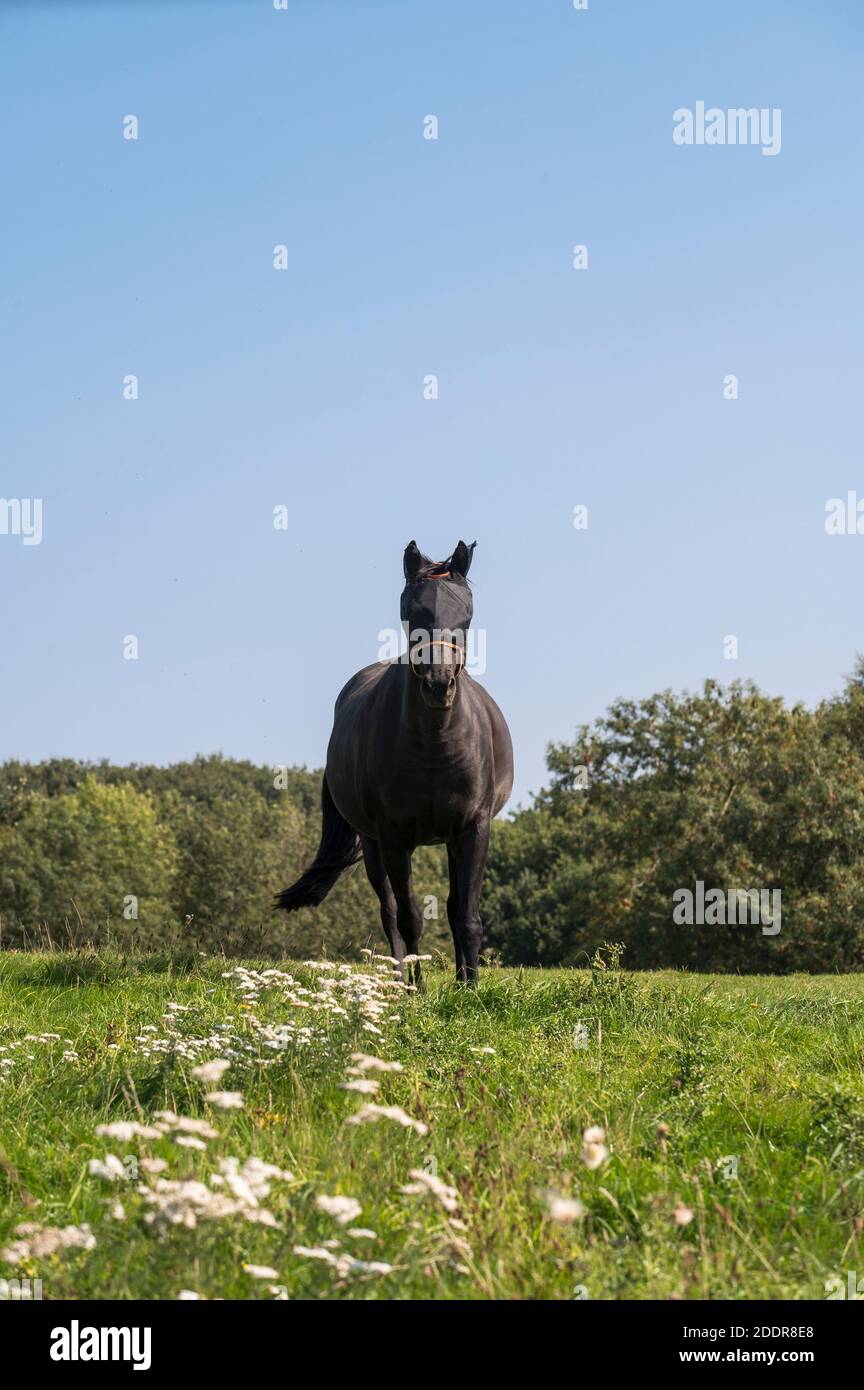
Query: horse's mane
point(432, 570)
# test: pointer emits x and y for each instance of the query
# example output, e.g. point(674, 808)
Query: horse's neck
point(427, 726)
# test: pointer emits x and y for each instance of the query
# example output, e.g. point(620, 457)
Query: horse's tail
point(338, 850)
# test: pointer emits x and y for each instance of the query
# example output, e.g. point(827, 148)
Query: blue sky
point(406, 256)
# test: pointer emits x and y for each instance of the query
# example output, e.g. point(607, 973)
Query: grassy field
point(730, 1164)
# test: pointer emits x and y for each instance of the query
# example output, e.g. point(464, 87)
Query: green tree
point(728, 787)
point(73, 862)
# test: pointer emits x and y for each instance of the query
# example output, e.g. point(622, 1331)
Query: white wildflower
point(366, 1063)
point(564, 1209)
point(343, 1264)
point(154, 1165)
point(370, 1114)
point(187, 1124)
point(314, 1252)
point(211, 1072)
point(110, 1169)
point(427, 1182)
point(594, 1150)
point(39, 1241)
point(124, 1130)
point(342, 1209)
point(226, 1100)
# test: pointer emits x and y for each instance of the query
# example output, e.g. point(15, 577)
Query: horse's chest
point(433, 792)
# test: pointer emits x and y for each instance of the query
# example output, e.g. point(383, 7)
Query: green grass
point(764, 1071)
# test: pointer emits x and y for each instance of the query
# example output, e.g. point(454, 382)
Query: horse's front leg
point(452, 911)
point(469, 850)
point(397, 860)
point(377, 876)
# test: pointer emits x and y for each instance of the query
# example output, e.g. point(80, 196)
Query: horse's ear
point(413, 561)
point(460, 560)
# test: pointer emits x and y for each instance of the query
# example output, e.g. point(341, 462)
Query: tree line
point(727, 787)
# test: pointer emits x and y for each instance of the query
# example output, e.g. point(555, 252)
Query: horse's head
point(436, 611)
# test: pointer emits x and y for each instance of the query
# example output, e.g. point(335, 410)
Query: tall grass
point(733, 1113)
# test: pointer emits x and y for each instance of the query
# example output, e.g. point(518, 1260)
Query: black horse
point(419, 755)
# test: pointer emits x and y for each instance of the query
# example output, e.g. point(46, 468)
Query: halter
point(420, 645)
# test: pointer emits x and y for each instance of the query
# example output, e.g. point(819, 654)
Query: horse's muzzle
point(438, 691)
